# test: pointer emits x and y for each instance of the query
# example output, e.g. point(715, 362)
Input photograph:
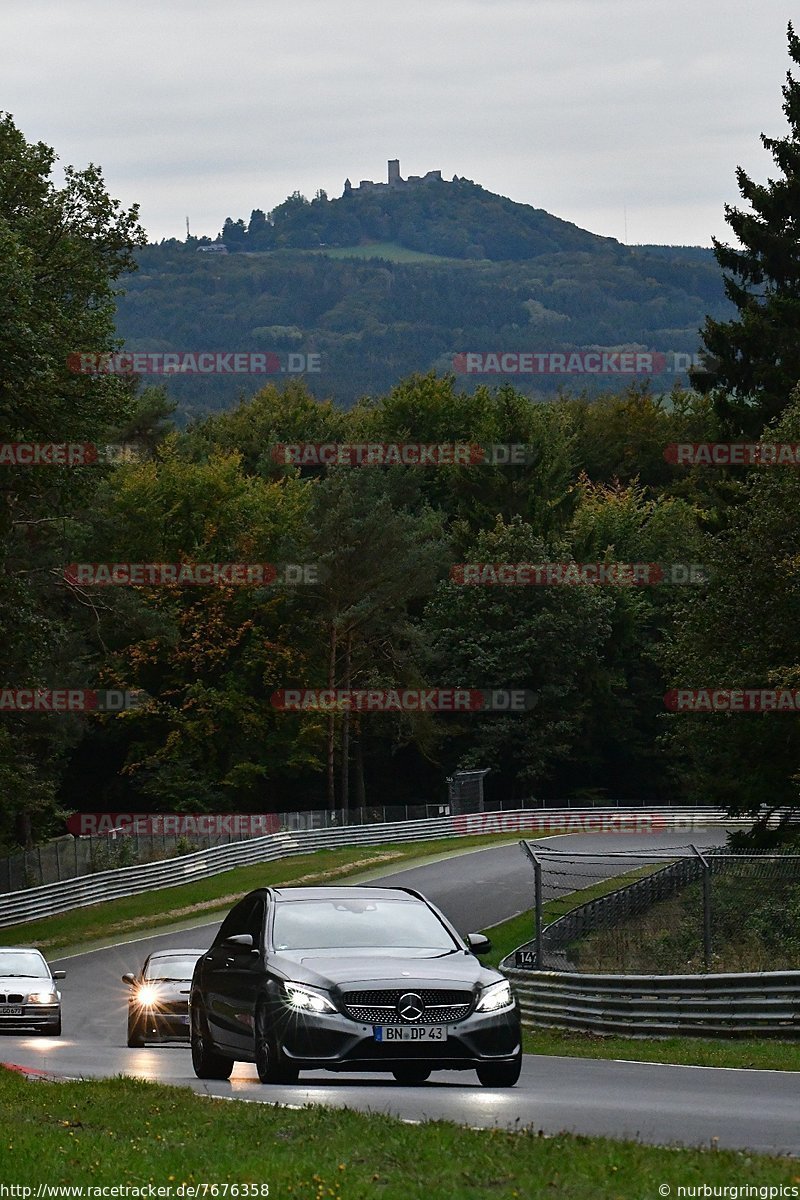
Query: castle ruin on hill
point(395, 180)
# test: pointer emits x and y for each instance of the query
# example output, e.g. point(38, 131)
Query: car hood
point(25, 983)
point(328, 969)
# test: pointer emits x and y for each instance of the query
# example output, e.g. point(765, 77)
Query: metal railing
point(68, 857)
point(34, 903)
point(735, 1005)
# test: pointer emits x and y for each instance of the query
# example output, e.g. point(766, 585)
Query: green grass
point(755, 926)
point(191, 902)
point(392, 251)
point(763, 1054)
point(130, 1132)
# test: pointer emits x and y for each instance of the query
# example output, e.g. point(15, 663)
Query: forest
point(376, 313)
point(348, 573)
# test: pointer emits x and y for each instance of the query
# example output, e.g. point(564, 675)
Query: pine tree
point(754, 359)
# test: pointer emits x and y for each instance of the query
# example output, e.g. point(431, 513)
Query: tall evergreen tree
point(755, 358)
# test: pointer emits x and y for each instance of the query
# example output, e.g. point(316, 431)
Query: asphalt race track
point(756, 1110)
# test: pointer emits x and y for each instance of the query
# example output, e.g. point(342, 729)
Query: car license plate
point(410, 1033)
point(6, 1010)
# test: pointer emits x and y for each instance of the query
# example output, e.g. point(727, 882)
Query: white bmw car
point(29, 998)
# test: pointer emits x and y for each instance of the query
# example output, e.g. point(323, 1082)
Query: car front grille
point(380, 1007)
point(11, 998)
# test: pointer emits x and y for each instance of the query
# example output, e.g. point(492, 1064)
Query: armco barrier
point(737, 1005)
point(34, 903)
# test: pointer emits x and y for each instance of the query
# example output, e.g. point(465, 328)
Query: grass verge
point(130, 1132)
point(762, 1054)
point(765, 1054)
point(755, 926)
point(189, 902)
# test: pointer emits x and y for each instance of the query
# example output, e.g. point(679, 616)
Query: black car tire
point(412, 1073)
point(503, 1074)
point(136, 1033)
point(271, 1063)
point(206, 1062)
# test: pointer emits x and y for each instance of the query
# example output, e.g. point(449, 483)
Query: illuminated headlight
point(42, 998)
point(147, 995)
point(495, 997)
point(305, 999)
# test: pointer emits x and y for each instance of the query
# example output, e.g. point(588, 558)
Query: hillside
point(459, 219)
point(405, 281)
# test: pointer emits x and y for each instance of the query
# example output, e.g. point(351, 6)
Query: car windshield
point(23, 963)
point(170, 968)
point(364, 924)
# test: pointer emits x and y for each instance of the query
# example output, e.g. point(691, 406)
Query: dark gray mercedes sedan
point(350, 979)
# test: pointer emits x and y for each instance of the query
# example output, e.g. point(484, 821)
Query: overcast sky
point(608, 113)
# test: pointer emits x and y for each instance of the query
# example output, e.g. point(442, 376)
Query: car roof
point(23, 949)
point(342, 892)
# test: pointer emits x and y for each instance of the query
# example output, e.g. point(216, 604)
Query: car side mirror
point(478, 943)
point(129, 978)
point(240, 942)
point(59, 974)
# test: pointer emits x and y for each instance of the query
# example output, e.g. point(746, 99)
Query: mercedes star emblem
point(410, 1006)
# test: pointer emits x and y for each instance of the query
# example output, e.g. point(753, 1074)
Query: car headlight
point(306, 999)
point(495, 997)
point(42, 998)
point(146, 995)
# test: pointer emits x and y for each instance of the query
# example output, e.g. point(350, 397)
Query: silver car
point(29, 998)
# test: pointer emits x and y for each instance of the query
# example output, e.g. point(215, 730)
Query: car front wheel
point(135, 1032)
point(504, 1074)
point(206, 1062)
point(271, 1063)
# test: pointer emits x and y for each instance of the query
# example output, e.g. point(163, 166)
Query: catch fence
point(702, 910)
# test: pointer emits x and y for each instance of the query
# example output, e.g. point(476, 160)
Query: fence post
point(537, 900)
point(706, 908)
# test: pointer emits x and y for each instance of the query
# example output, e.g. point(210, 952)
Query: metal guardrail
point(68, 856)
point(34, 903)
point(736, 1005)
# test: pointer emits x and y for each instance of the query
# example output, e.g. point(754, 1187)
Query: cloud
point(588, 108)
